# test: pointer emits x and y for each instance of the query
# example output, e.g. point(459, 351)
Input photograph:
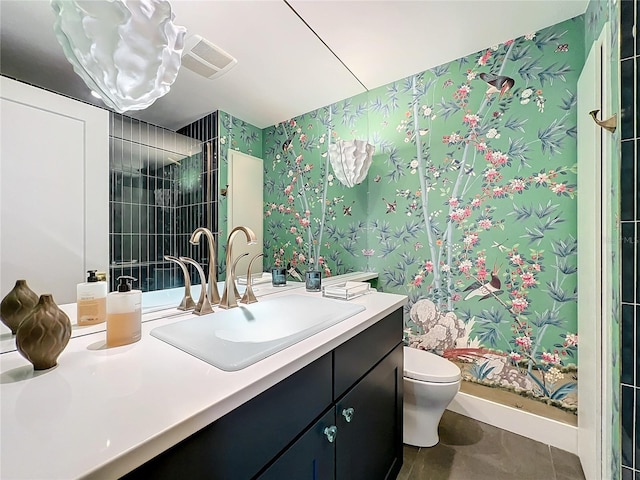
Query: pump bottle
point(91, 300)
point(124, 314)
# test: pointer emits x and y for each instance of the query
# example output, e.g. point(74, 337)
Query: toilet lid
point(429, 367)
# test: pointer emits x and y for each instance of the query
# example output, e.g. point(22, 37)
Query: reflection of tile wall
point(146, 198)
point(199, 206)
point(630, 263)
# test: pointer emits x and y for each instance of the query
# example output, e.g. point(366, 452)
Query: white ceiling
point(293, 57)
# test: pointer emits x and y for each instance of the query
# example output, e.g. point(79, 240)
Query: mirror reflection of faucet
point(203, 306)
point(230, 293)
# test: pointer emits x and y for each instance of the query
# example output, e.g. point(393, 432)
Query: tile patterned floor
point(471, 450)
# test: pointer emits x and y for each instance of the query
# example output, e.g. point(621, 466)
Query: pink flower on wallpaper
point(301, 258)
point(463, 91)
point(541, 178)
point(465, 266)
point(456, 297)
point(528, 280)
point(485, 223)
point(508, 42)
point(417, 280)
point(290, 199)
point(518, 185)
point(476, 202)
point(515, 356)
point(484, 58)
point(293, 229)
point(552, 358)
point(571, 340)
point(470, 239)
point(308, 167)
point(453, 202)
point(304, 222)
point(481, 261)
point(288, 190)
point(481, 146)
point(298, 159)
point(281, 208)
point(524, 342)
point(491, 175)
point(499, 192)
point(307, 213)
point(516, 259)
point(471, 119)
point(299, 240)
point(459, 214)
point(428, 266)
point(303, 138)
point(559, 188)
point(519, 305)
point(482, 274)
point(497, 158)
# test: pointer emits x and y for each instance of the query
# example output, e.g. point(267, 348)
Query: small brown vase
point(17, 305)
point(44, 334)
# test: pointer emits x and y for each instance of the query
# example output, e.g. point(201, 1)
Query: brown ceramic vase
point(18, 303)
point(44, 334)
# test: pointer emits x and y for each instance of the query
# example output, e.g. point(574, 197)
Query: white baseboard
point(535, 427)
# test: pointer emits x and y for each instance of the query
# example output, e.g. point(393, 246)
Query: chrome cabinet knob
point(331, 432)
point(347, 413)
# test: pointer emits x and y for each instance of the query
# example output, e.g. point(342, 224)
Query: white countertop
point(102, 412)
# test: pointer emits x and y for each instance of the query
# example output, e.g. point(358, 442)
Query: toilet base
point(424, 404)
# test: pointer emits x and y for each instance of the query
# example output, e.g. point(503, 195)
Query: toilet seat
point(428, 367)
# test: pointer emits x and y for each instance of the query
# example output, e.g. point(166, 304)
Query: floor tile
point(472, 450)
point(567, 465)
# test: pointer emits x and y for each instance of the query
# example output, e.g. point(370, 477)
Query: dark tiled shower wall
point(630, 220)
point(158, 181)
point(203, 213)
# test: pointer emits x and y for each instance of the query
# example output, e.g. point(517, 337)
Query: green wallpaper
point(469, 207)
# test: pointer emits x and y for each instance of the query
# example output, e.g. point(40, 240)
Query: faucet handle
point(187, 302)
point(249, 296)
point(203, 306)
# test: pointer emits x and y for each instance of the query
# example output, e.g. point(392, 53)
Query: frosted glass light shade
point(127, 51)
point(351, 160)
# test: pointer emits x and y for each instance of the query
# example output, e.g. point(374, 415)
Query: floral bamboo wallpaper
point(469, 206)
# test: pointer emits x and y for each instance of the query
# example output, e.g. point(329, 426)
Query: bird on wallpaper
point(485, 290)
point(497, 83)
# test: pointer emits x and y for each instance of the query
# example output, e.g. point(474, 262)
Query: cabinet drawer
point(238, 445)
point(357, 356)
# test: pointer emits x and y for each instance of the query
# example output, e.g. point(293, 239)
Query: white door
point(594, 265)
point(245, 207)
point(54, 190)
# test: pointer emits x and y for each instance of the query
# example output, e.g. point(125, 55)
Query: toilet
point(430, 383)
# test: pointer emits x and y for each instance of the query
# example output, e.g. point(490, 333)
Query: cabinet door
point(369, 420)
point(311, 457)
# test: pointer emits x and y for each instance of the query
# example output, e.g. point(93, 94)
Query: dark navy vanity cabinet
point(338, 418)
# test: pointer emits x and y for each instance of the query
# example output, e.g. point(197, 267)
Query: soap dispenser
point(124, 314)
point(91, 300)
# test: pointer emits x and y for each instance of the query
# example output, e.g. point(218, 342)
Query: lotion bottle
point(124, 314)
point(91, 300)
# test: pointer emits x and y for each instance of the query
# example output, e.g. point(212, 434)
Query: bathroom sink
point(236, 338)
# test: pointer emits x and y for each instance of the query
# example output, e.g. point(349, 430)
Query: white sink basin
point(236, 338)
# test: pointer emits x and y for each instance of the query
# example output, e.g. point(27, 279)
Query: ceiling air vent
point(205, 58)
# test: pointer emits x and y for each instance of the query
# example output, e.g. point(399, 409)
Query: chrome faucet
point(229, 294)
point(187, 302)
point(212, 289)
point(203, 306)
point(249, 296)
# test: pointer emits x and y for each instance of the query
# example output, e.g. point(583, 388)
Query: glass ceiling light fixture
point(127, 51)
point(351, 160)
